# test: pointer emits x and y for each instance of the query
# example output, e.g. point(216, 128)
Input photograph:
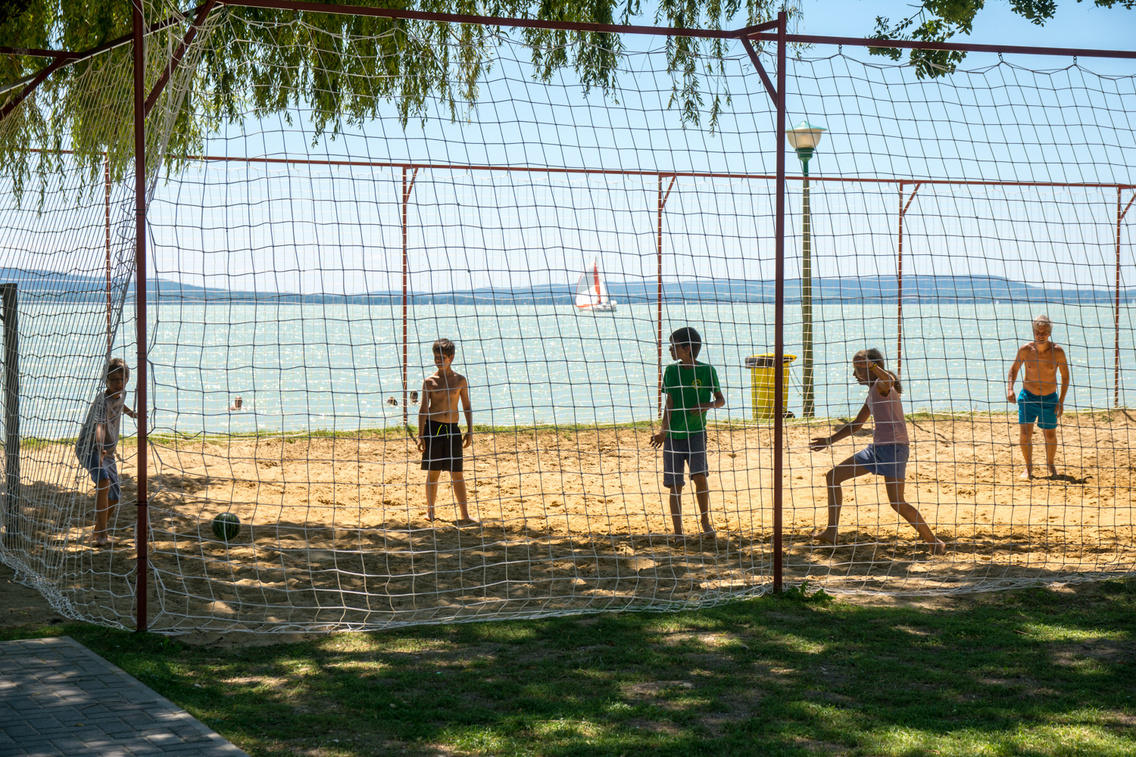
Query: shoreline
point(399, 430)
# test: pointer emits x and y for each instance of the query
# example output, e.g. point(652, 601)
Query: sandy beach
point(334, 534)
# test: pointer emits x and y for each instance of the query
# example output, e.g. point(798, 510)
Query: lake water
point(302, 367)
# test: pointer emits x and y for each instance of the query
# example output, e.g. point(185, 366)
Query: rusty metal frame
point(775, 32)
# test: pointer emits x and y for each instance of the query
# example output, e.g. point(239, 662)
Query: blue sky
point(340, 232)
point(1081, 25)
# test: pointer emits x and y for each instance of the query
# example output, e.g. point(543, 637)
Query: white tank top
point(887, 412)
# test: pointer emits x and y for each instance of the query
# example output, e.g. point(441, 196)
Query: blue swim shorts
point(1034, 407)
point(690, 451)
point(106, 470)
point(887, 460)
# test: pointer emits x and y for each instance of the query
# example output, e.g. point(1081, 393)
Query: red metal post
point(12, 104)
point(516, 23)
point(899, 277)
point(906, 44)
point(106, 181)
point(1116, 304)
point(899, 291)
point(767, 32)
point(407, 188)
point(405, 332)
point(779, 311)
point(175, 59)
point(63, 58)
point(624, 172)
point(659, 296)
point(659, 281)
point(140, 301)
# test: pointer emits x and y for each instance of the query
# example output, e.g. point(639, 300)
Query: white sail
point(601, 290)
point(585, 292)
point(591, 294)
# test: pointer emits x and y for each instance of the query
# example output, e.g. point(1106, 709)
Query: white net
point(300, 279)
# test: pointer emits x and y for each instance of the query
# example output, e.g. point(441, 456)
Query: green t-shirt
point(688, 388)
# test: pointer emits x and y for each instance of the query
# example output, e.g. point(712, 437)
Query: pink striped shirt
point(887, 412)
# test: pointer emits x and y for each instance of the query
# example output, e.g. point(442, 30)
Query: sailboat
point(591, 294)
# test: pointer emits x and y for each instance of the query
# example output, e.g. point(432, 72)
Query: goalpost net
point(301, 270)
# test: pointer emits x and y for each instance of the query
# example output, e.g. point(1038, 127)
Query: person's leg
point(702, 494)
point(1050, 435)
point(674, 464)
point(676, 507)
point(895, 491)
point(432, 477)
point(458, 479)
point(696, 459)
point(100, 537)
point(1025, 441)
point(833, 480)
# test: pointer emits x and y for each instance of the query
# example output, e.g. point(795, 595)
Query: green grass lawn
point(1029, 672)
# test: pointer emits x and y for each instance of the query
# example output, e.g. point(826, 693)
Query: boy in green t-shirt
point(692, 388)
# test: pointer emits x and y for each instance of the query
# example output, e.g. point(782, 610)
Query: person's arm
point(420, 441)
point(1018, 360)
point(1063, 366)
point(884, 380)
point(658, 439)
point(842, 432)
point(468, 408)
point(718, 399)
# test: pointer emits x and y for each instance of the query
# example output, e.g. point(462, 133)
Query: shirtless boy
point(1039, 400)
point(439, 438)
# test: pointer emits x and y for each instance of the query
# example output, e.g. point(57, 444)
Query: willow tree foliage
point(341, 69)
point(941, 20)
point(327, 64)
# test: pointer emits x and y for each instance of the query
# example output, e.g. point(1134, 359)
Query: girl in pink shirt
point(887, 454)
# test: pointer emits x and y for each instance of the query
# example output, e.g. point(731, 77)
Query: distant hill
point(72, 287)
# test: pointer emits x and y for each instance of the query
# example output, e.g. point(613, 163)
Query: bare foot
point(827, 536)
point(1027, 474)
point(1053, 471)
point(465, 522)
point(938, 547)
point(430, 515)
point(100, 541)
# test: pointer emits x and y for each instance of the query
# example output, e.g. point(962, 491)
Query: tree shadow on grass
point(791, 676)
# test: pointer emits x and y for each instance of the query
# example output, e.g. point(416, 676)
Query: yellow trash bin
point(762, 377)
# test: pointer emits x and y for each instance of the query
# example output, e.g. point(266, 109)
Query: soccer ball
point(226, 526)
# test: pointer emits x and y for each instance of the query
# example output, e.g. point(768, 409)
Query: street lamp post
point(804, 138)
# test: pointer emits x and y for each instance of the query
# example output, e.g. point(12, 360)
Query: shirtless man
point(439, 438)
point(1039, 401)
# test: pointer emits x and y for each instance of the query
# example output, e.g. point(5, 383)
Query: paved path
point(59, 698)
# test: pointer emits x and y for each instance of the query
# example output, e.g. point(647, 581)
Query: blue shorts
point(106, 470)
point(887, 460)
point(691, 451)
point(1034, 407)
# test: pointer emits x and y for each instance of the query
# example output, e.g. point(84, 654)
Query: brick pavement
point(59, 698)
